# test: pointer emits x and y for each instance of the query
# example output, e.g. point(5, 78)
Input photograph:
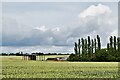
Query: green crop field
point(15, 67)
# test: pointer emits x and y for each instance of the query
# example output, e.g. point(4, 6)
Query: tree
point(85, 46)
point(118, 44)
point(75, 48)
point(108, 46)
point(89, 43)
point(99, 43)
point(95, 45)
point(111, 42)
point(89, 46)
point(115, 42)
point(101, 55)
point(79, 46)
point(83, 49)
point(92, 46)
point(73, 57)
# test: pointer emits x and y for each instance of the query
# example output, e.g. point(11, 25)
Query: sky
point(55, 26)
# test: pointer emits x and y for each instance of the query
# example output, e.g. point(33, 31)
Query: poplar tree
point(118, 44)
point(108, 46)
point(95, 45)
point(79, 46)
point(83, 49)
point(111, 42)
point(89, 50)
point(75, 48)
point(99, 43)
point(115, 42)
point(92, 46)
point(85, 46)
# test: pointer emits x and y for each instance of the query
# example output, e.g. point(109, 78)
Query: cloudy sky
point(55, 26)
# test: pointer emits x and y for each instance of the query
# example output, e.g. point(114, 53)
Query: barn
point(29, 57)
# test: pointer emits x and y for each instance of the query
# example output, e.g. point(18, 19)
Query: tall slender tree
point(89, 43)
point(111, 42)
point(92, 46)
point(75, 48)
point(108, 46)
point(95, 45)
point(118, 44)
point(83, 49)
point(85, 46)
point(115, 42)
point(79, 46)
point(99, 43)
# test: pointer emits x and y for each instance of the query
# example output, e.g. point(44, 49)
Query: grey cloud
point(16, 34)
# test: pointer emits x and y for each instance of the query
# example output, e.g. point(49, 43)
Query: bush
point(74, 57)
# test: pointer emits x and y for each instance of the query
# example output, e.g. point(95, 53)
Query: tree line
point(90, 50)
point(37, 53)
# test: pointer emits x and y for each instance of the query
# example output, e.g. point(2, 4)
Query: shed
point(57, 59)
point(52, 59)
point(62, 58)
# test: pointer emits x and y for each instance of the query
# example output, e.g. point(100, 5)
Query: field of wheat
point(15, 67)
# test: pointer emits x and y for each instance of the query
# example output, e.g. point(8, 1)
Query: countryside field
point(15, 67)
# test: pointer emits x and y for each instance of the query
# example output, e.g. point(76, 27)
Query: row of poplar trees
point(90, 50)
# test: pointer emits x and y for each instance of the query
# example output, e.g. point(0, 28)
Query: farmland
point(15, 67)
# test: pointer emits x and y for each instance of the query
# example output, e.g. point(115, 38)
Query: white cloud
point(95, 10)
point(42, 28)
point(96, 19)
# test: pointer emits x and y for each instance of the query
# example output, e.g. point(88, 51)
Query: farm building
point(62, 58)
point(57, 59)
point(52, 59)
point(29, 57)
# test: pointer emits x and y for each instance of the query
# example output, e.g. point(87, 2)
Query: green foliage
point(99, 42)
point(75, 48)
point(86, 47)
point(89, 45)
point(73, 57)
point(95, 45)
point(118, 43)
point(111, 42)
point(83, 46)
point(101, 55)
point(115, 42)
point(79, 46)
point(92, 46)
point(91, 52)
point(108, 46)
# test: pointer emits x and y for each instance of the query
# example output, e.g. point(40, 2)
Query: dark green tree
point(89, 43)
point(99, 42)
point(108, 46)
point(118, 44)
point(92, 46)
point(115, 42)
point(79, 46)
point(75, 48)
point(95, 43)
point(85, 46)
point(83, 49)
point(111, 42)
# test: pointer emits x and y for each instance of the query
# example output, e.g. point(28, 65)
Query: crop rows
point(51, 69)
